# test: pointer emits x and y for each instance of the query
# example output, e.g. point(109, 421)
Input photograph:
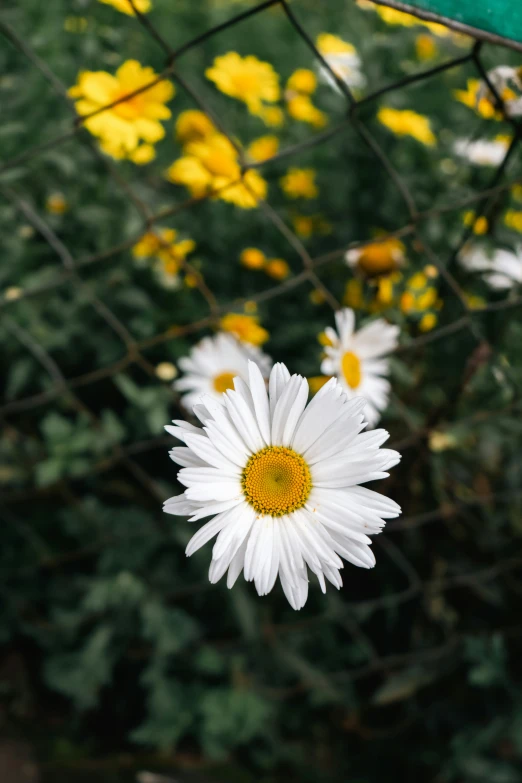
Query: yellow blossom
point(481, 101)
point(441, 441)
point(277, 268)
point(245, 327)
point(211, 166)
point(303, 225)
point(513, 219)
point(56, 204)
point(252, 258)
point(426, 300)
point(299, 183)
point(377, 258)
point(431, 271)
point(192, 280)
point(250, 307)
point(516, 190)
point(425, 47)
point(126, 8)
point(480, 224)
point(142, 154)
point(317, 382)
point(13, 293)
point(163, 246)
point(302, 80)
point(407, 302)
point(301, 108)
point(193, 125)
point(353, 294)
point(332, 44)
point(394, 17)
point(385, 290)
point(122, 127)
point(272, 116)
point(427, 322)
point(166, 371)
point(316, 296)
point(418, 281)
point(263, 148)
point(474, 302)
point(245, 78)
point(407, 123)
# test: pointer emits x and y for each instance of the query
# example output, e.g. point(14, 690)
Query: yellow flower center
point(380, 257)
point(131, 108)
point(276, 481)
point(224, 381)
point(351, 367)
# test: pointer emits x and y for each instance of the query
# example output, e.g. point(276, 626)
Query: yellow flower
point(316, 296)
point(142, 154)
point(126, 8)
point(193, 125)
point(441, 441)
point(56, 204)
point(474, 302)
point(418, 281)
point(252, 258)
point(332, 44)
point(277, 268)
point(163, 246)
point(377, 258)
point(425, 47)
point(303, 81)
point(407, 302)
point(246, 78)
point(513, 219)
point(317, 382)
point(407, 123)
point(272, 116)
point(245, 327)
point(192, 280)
point(299, 183)
point(211, 166)
point(122, 127)
point(301, 108)
point(353, 294)
point(303, 225)
point(431, 271)
point(385, 290)
point(263, 148)
point(480, 224)
point(426, 300)
point(516, 190)
point(165, 371)
point(483, 103)
point(394, 17)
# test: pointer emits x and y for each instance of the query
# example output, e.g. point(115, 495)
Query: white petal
point(260, 400)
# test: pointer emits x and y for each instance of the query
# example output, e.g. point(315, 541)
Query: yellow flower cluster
point(125, 6)
point(299, 183)
point(407, 123)
point(249, 80)
point(481, 100)
point(377, 258)
point(421, 300)
point(210, 164)
point(394, 17)
point(299, 87)
point(129, 126)
point(513, 219)
point(245, 327)
point(163, 247)
point(263, 148)
point(253, 258)
point(480, 224)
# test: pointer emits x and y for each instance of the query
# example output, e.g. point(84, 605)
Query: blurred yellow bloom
point(407, 302)
point(75, 24)
point(317, 382)
point(126, 8)
point(394, 17)
point(250, 307)
point(407, 123)
point(425, 47)
point(431, 271)
point(427, 299)
point(56, 204)
point(193, 125)
point(192, 280)
point(513, 219)
point(353, 294)
point(323, 339)
point(166, 371)
point(252, 258)
point(474, 302)
point(277, 268)
point(245, 327)
point(163, 245)
point(441, 441)
point(516, 190)
point(299, 183)
point(272, 116)
point(332, 44)
point(316, 296)
point(480, 224)
point(427, 322)
point(122, 127)
point(13, 293)
point(211, 166)
point(141, 155)
point(245, 78)
point(301, 108)
point(303, 225)
point(263, 148)
point(378, 257)
point(418, 281)
point(302, 80)
point(482, 103)
point(385, 290)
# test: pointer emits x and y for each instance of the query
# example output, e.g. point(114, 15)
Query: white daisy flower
point(501, 269)
point(482, 153)
point(344, 61)
point(213, 364)
point(280, 477)
point(507, 81)
point(356, 358)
